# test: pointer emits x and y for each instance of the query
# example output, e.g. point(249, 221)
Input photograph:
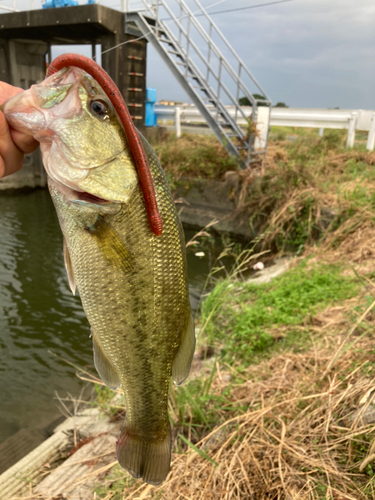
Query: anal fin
point(69, 268)
point(104, 367)
point(182, 361)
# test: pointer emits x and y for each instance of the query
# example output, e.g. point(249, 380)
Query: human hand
point(13, 143)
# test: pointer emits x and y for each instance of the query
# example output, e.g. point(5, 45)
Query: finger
point(11, 158)
point(26, 143)
point(7, 91)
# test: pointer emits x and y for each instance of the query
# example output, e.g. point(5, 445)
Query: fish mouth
point(85, 197)
point(78, 197)
point(90, 201)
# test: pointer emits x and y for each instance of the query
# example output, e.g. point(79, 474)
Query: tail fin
point(149, 460)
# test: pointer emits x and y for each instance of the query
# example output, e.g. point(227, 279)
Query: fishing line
point(150, 32)
point(198, 13)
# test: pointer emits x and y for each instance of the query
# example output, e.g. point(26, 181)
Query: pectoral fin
point(111, 245)
point(182, 361)
point(69, 268)
point(103, 366)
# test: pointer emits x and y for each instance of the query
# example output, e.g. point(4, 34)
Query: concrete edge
point(16, 480)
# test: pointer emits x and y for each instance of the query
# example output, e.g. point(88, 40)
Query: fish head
point(83, 143)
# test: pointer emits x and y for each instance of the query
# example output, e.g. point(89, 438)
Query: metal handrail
point(236, 77)
point(182, 30)
point(199, 53)
point(241, 63)
point(10, 9)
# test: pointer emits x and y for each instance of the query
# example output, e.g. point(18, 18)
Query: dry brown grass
point(305, 192)
point(193, 156)
point(305, 433)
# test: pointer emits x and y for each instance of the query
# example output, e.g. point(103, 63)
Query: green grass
point(114, 483)
point(197, 409)
point(242, 317)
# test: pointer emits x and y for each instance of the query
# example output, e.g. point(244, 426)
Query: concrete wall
point(31, 176)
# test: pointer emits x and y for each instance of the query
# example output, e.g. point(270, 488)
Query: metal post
point(156, 11)
point(49, 54)
point(237, 104)
point(93, 51)
point(351, 131)
point(371, 135)
point(321, 132)
point(219, 78)
point(187, 47)
point(179, 29)
point(177, 121)
point(209, 52)
point(262, 126)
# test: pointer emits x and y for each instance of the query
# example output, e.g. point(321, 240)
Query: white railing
point(9, 9)
point(352, 120)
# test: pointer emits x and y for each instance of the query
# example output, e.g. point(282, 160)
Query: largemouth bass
point(133, 284)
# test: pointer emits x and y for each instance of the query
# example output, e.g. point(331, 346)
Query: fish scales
point(133, 284)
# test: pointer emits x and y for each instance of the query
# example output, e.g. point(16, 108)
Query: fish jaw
point(33, 110)
point(80, 151)
point(21, 114)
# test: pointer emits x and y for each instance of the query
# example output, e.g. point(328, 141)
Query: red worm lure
point(139, 155)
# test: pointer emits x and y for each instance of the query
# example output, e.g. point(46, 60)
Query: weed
point(114, 484)
point(104, 400)
point(243, 316)
point(194, 156)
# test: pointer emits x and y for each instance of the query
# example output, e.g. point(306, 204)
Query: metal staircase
point(190, 49)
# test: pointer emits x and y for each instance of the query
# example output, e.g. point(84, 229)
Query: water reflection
point(37, 313)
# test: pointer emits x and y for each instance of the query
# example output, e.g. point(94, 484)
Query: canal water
point(39, 315)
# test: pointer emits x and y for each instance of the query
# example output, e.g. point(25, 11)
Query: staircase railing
point(216, 78)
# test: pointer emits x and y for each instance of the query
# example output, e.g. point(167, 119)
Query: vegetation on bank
point(244, 319)
point(278, 403)
point(311, 188)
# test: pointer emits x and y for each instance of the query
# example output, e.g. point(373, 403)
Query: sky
point(306, 53)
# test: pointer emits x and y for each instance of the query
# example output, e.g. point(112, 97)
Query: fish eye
point(99, 108)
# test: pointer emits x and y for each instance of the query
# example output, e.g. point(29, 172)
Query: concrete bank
point(200, 201)
point(68, 463)
point(31, 176)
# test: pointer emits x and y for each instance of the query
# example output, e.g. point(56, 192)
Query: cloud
point(307, 53)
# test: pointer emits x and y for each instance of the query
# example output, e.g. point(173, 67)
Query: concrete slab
point(269, 273)
point(89, 422)
point(17, 446)
point(17, 479)
point(76, 478)
point(95, 436)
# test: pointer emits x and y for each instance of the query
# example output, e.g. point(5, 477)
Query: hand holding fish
point(13, 143)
